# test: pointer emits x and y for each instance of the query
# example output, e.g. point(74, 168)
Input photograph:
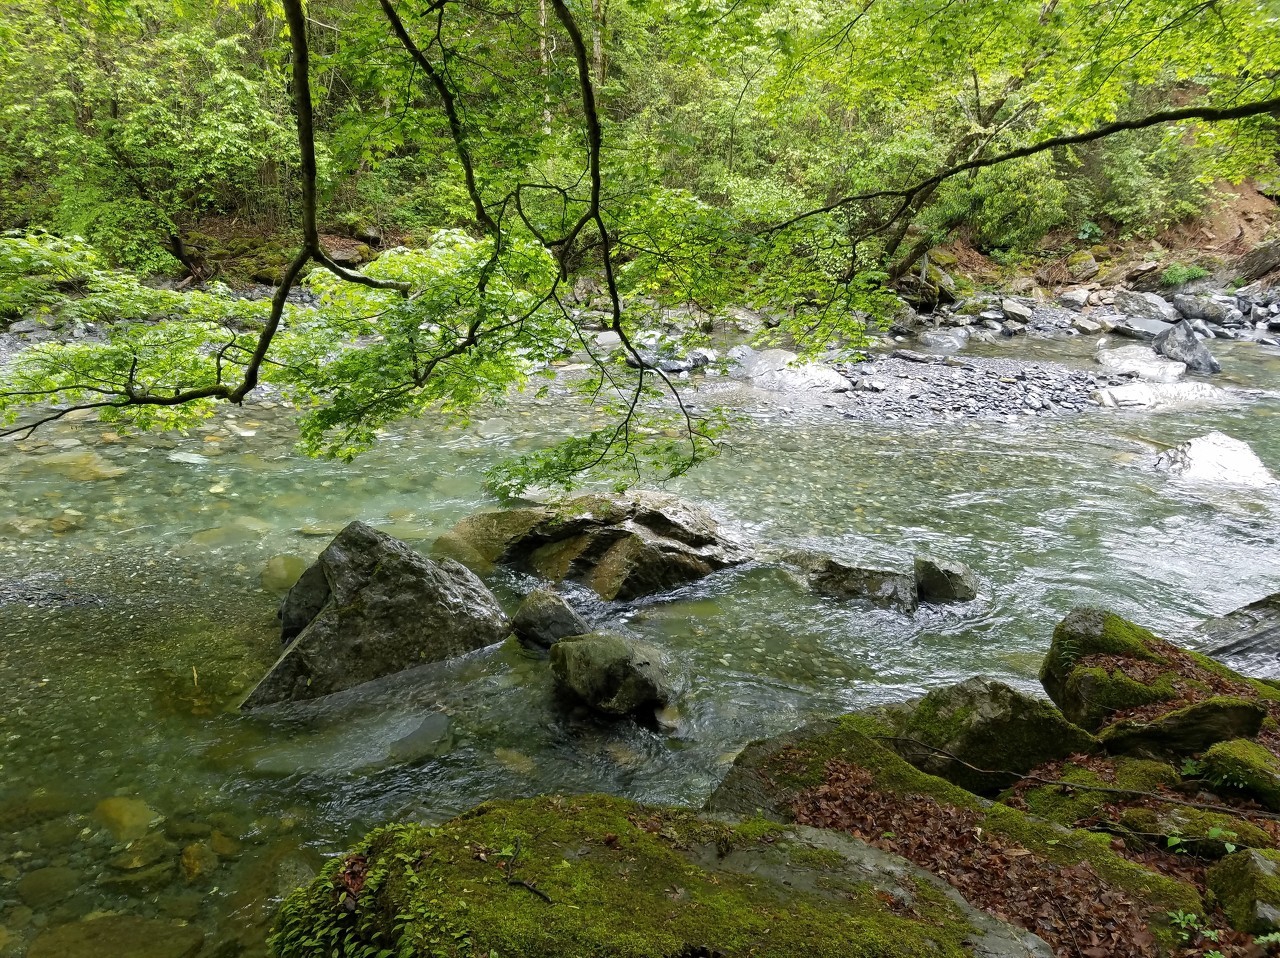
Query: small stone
point(544, 618)
point(282, 573)
point(224, 845)
point(145, 851)
point(943, 580)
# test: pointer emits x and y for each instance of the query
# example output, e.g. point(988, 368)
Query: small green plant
point(1192, 768)
point(1190, 927)
point(1090, 232)
point(1271, 939)
point(1176, 274)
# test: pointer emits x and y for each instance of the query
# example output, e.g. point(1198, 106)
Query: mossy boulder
point(593, 875)
point(1247, 887)
point(1245, 766)
point(612, 674)
point(1077, 802)
point(623, 547)
point(982, 724)
point(1186, 731)
point(1088, 694)
point(769, 775)
point(1197, 831)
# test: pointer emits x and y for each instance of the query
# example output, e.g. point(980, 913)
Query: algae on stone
point(603, 876)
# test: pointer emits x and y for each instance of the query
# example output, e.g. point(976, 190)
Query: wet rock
point(1187, 731)
point(1248, 639)
point(198, 862)
point(623, 547)
point(383, 608)
point(544, 618)
point(118, 936)
point(126, 818)
point(24, 811)
point(612, 674)
point(779, 370)
point(282, 573)
point(944, 580)
point(1181, 344)
point(1247, 885)
point(644, 880)
point(827, 575)
point(431, 739)
point(141, 882)
point(86, 466)
point(45, 887)
point(144, 851)
point(984, 724)
point(1158, 395)
point(224, 845)
point(944, 340)
point(1140, 361)
point(1216, 459)
point(181, 827)
point(1134, 327)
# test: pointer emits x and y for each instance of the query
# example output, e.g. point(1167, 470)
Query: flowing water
point(128, 688)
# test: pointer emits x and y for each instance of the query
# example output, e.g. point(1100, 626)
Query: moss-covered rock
point(1088, 694)
point(954, 732)
point(1186, 731)
point(1247, 886)
point(1199, 832)
point(1247, 767)
point(1066, 805)
point(599, 876)
point(611, 673)
point(768, 776)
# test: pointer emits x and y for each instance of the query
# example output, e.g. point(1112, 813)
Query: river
point(156, 542)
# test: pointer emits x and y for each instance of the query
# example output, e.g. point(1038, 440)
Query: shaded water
point(160, 541)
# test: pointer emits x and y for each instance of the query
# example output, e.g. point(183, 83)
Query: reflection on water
point(129, 689)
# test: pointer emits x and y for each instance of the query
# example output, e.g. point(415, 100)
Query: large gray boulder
point(1216, 459)
point(370, 606)
point(1140, 361)
point(1247, 639)
point(1159, 395)
point(544, 618)
point(623, 547)
point(982, 734)
point(612, 674)
point(1181, 344)
point(1146, 306)
point(944, 580)
point(827, 575)
point(1220, 312)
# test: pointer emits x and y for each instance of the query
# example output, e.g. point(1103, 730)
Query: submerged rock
point(944, 580)
point(1217, 459)
point(431, 739)
point(623, 547)
point(779, 370)
point(610, 878)
point(126, 818)
point(1181, 344)
point(612, 674)
point(827, 575)
point(966, 732)
point(118, 936)
point(370, 607)
point(544, 618)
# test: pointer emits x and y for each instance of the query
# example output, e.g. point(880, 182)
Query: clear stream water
point(161, 540)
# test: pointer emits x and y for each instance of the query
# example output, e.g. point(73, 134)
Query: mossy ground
point(598, 876)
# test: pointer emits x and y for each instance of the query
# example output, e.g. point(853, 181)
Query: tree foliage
point(696, 154)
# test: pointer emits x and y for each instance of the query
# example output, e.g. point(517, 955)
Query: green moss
point(1264, 689)
point(1247, 767)
point(851, 739)
point(1066, 806)
point(1241, 882)
point(1093, 694)
point(623, 880)
point(1196, 831)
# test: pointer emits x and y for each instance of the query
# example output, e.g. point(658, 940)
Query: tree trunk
point(597, 40)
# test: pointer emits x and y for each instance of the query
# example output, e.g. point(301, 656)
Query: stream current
point(155, 544)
